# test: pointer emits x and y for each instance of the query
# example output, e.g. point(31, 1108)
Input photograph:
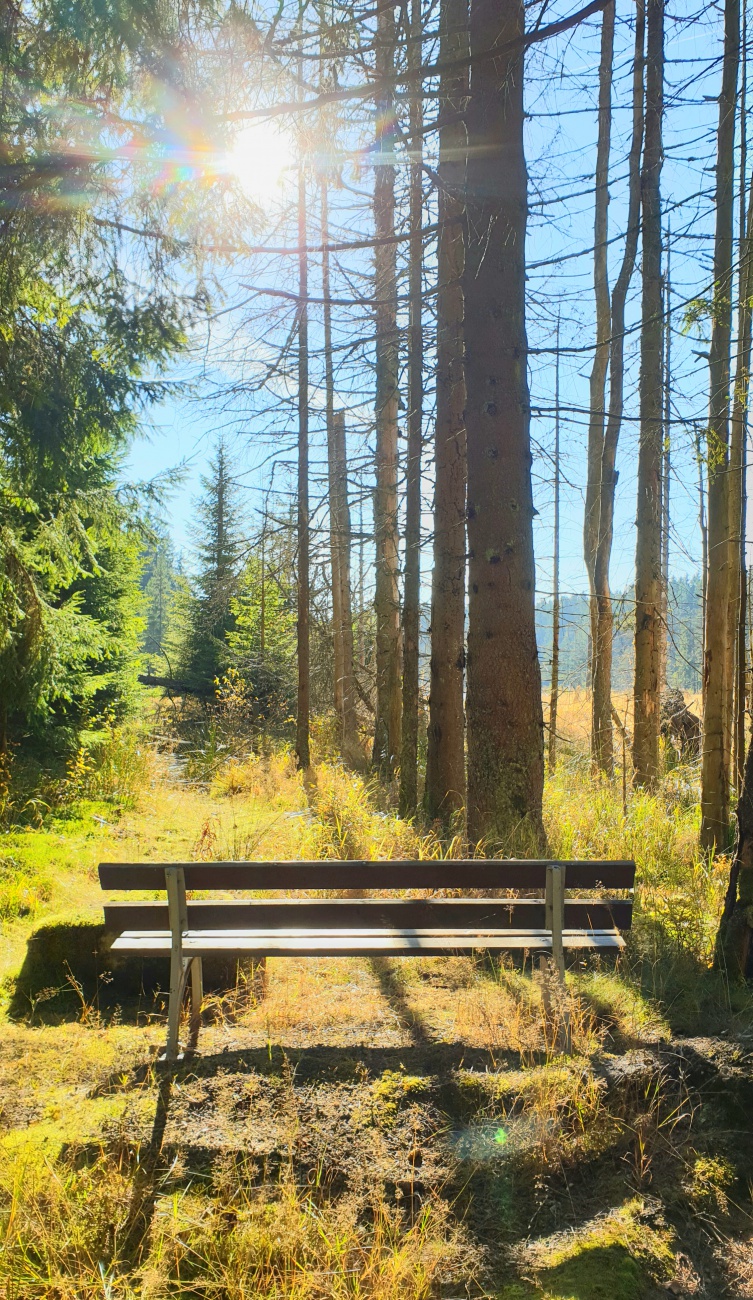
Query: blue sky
point(561, 134)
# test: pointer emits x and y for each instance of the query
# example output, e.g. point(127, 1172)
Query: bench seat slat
point(270, 943)
point(474, 873)
point(362, 914)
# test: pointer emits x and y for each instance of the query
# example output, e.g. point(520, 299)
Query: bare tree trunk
point(329, 403)
point(263, 596)
point(601, 676)
point(386, 599)
point(738, 435)
point(445, 758)
point(411, 594)
point(351, 749)
point(555, 678)
point(648, 521)
point(339, 531)
point(665, 475)
point(361, 578)
point(724, 566)
point(304, 687)
point(505, 721)
point(704, 555)
point(601, 713)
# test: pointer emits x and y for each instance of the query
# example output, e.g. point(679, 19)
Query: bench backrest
point(472, 873)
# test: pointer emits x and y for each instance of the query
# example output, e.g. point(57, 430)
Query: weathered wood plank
point(475, 873)
point(364, 914)
point(276, 943)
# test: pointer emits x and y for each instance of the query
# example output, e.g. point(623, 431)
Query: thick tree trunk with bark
point(648, 520)
point(445, 758)
point(738, 447)
point(411, 594)
point(734, 945)
point(505, 722)
point(601, 700)
point(386, 599)
point(723, 559)
point(304, 687)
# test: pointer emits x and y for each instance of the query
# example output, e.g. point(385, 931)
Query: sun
point(260, 159)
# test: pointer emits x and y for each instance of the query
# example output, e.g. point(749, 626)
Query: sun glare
point(261, 159)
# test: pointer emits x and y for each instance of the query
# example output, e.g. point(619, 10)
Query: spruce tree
point(205, 656)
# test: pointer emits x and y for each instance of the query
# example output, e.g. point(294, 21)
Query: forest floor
point(357, 1128)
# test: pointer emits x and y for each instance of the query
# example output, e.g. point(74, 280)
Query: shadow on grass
point(393, 991)
point(69, 973)
point(692, 998)
point(145, 1184)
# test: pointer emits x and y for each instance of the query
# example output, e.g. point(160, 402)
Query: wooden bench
point(188, 930)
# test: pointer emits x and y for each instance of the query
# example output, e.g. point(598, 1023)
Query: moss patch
point(617, 1257)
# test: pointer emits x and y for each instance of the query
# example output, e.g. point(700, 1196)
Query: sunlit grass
point(90, 1208)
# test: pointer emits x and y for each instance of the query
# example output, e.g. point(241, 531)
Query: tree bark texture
point(648, 520)
point(386, 748)
point(734, 945)
point(303, 637)
point(412, 580)
point(666, 467)
point(723, 558)
point(505, 721)
point(445, 757)
point(601, 712)
point(738, 447)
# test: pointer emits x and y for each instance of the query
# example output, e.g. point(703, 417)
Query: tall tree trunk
point(665, 475)
point(386, 598)
point(339, 530)
point(555, 678)
point(734, 945)
point(648, 521)
point(329, 405)
point(505, 721)
point(445, 757)
point(340, 505)
point(724, 565)
point(601, 710)
point(304, 682)
point(601, 676)
point(704, 555)
point(411, 594)
point(738, 434)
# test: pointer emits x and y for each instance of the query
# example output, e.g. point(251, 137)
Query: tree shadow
point(393, 990)
point(146, 1180)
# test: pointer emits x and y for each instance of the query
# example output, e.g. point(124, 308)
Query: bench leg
point(178, 974)
point(197, 996)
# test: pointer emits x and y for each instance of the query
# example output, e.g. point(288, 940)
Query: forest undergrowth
point(362, 1128)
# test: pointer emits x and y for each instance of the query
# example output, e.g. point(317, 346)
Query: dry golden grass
point(574, 713)
point(379, 1130)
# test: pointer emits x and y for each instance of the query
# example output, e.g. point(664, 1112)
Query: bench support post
point(555, 924)
point(176, 903)
point(555, 913)
point(197, 995)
